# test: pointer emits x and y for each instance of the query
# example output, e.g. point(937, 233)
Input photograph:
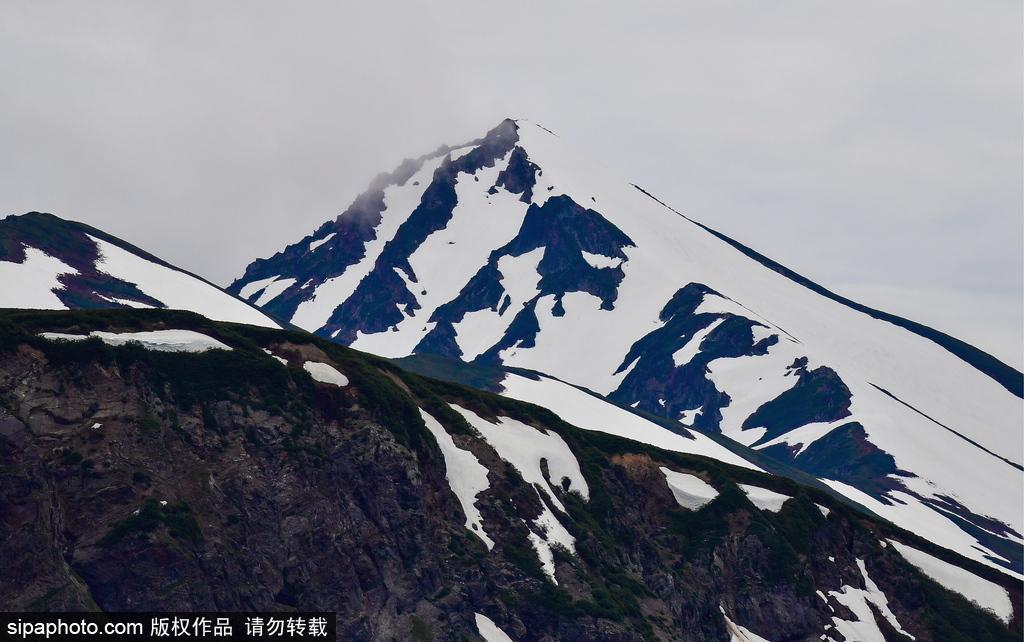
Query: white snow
point(690, 491)
point(489, 631)
point(252, 287)
point(524, 447)
point(467, 477)
point(283, 361)
point(325, 373)
point(480, 330)
point(738, 633)
point(986, 594)
point(763, 498)
point(128, 303)
point(273, 290)
point(805, 435)
point(31, 284)
point(592, 413)
point(176, 289)
point(315, 244)
point(823, 510)
point(687, 417)
point(751, 382)
point(159, 340)
point(865, 627)
point(97, 426)
point(683, 355)
point(600, 261)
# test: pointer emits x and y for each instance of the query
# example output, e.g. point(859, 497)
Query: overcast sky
point(875, 147)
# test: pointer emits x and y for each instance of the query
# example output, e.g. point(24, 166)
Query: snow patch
point(251, 288)
point(159, 340)
point(315, 244)
point(687, 417)
point(690, 491)
point(466, 476)
point(283, 361)
point(31, 283)
point(489, 631)
point(986, 594)
point(763, 498)
point(325, 373)
point(600, 261)
point(273, 290)
point(683, 355)
point(738, 633)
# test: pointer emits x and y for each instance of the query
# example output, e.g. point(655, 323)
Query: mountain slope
point(515, 251)
point(269, 470)
point(50, 263)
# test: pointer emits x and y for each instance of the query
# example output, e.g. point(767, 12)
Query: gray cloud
point(873, 146)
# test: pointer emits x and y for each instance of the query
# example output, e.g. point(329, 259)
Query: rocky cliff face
point(134, 479)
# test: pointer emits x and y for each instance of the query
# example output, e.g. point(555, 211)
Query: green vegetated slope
point(133, 479)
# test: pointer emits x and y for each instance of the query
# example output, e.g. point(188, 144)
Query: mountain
point(50, 263)
point(154, 460)
point(515, 253)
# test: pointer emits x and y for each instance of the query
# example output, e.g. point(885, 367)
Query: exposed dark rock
point(846, 455)
point(658, 386)
point(819, 395)
point(519, 177)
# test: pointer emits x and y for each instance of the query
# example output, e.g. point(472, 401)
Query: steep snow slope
point(517, 251)
point(49, 263)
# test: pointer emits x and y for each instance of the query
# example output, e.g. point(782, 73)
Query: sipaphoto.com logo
point(70, 626)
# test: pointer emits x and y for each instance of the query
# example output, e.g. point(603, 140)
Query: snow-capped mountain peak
point(516, 251)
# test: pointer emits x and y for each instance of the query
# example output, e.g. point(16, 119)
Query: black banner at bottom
point(136, 627)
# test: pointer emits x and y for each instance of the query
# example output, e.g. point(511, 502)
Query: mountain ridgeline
point(50, 263)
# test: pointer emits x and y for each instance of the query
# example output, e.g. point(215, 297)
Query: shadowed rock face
point(282, 492)
point(655, 383)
